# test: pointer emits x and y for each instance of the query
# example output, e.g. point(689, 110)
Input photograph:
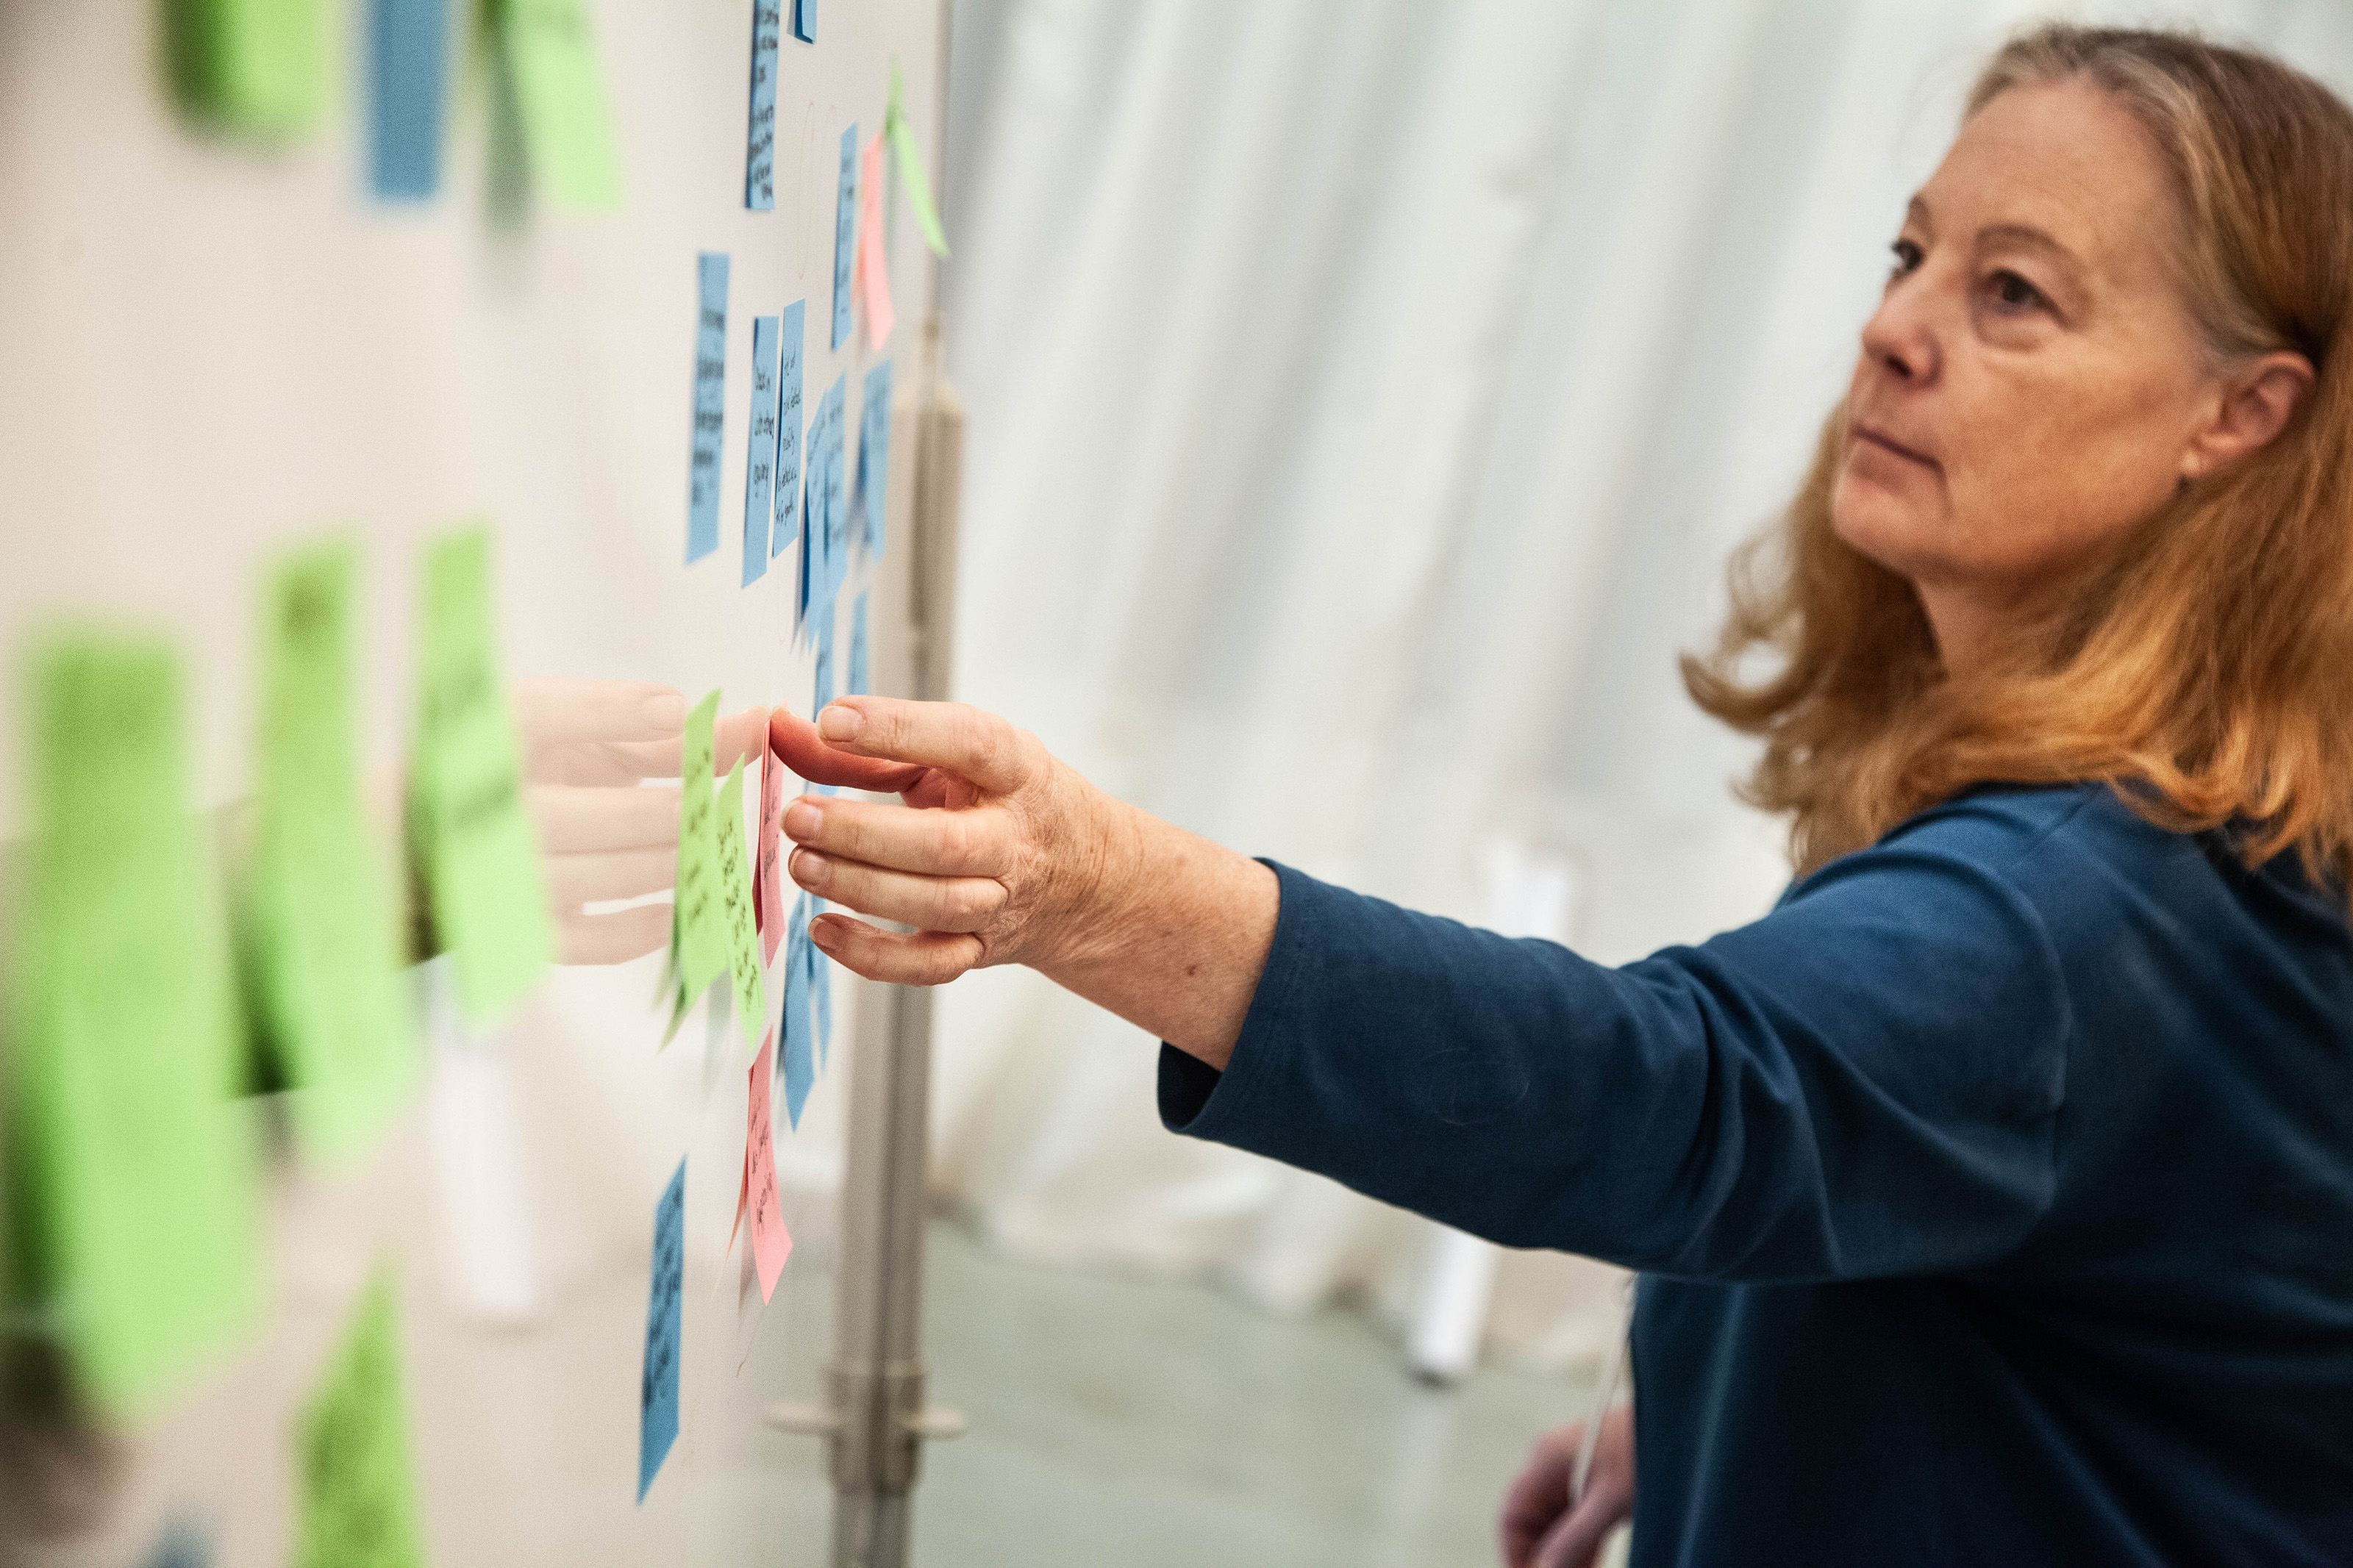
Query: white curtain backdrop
point(1364, 398)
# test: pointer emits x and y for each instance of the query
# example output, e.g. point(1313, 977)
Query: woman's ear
point(2256, 402)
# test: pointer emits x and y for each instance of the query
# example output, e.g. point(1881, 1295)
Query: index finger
point(795, 740)
point(951, 736)
point(552, 711)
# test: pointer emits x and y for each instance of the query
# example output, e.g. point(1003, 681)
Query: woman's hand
point(1014, 858)
point(588, 746)
point(1538, 1528)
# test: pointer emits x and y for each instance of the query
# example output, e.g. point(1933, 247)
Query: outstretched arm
point(1017, 859)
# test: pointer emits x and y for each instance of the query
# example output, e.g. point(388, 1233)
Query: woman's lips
point(1887, 444)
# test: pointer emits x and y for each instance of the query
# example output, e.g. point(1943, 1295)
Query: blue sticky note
point(407, 91)
point(824, 693)
point(657, 1395)
point(760, 456)
point(860, 678)
point(760, 150)
point(868, 498)
point(805, 20)
point(845, 235)
point(798, 1067)
point(801, 596)
point(792, 333)
point(837, 501)
point(823, 565)
point(709, 407)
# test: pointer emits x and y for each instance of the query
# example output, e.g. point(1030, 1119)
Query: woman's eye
point(2015, 293)
point(1907, 257)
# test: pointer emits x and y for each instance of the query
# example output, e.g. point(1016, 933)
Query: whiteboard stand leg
point(1449, 1314)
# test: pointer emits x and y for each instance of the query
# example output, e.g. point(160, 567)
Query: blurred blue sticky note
point(760, 153)
point(792, 333)
point(805, 20)
point(799, 1067)
point(821, 524)
point(760, 457)
point(184, 1545)
point(821, 988)
point(411, 43)
point(860, 676)
point(868, 498)
point(824, 693)
point(836, 552)
point(710, 406)
point(801, 597)
point(657, 1395)
point(845, 235)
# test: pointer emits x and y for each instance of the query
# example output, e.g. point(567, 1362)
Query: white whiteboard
point(208, 355)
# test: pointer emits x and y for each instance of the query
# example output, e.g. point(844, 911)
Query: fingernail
point(812, 870)
point(841, 723)
point(802, 819)
point(667, 711)
point(821, 933)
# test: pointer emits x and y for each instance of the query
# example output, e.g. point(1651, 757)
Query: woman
point(1994, 1194)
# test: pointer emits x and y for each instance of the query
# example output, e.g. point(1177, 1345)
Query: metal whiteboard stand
point(873, 1418)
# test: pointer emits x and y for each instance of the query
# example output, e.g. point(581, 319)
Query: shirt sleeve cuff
point(1198, 1100)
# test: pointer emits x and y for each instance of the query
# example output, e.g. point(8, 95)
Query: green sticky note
point(132, 1170)
point(735, 879)
point(471, 836)
point(552, 50)
point(320, 928)
point(911, 168)
point(359, 1493)
point(253, 67)
point(701, 936)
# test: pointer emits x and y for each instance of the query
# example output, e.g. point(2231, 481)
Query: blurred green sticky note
point(911, 167)
point(552, 50)
point(131, 1171)
point(701, 936)
point(253, 67)
point(359, 1493)
point(742, 939)
point(471, 837)
point(321, 940)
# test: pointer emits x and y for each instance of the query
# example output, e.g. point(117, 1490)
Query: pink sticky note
point(771, 1244)
point(768, 900)
point(873, 276)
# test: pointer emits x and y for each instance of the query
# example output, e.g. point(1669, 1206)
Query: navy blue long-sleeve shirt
point(1993, 1195)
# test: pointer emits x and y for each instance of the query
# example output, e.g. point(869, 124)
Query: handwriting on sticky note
point(657, 1391)
point(869, 499)
point(472, 836)
point(771, 1244)
point(701, 936)
point(760, 450)
point(760, 151)
point(561, 94)
point(359, 1489)
point(845, 236)
point(411, 69)
point(710, 406)
point(873, 266)
point(735, 882)
point(318, 912)
point(767, 901)
point(791, 340)
point(135, 1175)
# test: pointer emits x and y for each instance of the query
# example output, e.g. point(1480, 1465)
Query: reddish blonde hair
point(2206, 671)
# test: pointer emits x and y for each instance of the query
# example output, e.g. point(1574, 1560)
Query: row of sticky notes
point(261, 69)
point(141, 1013)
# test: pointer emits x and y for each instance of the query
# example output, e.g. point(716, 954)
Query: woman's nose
point(1900, 338)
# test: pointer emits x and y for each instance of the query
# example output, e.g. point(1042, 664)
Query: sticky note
point(760, 151)
point(409, 79)
point(184, 1545)
point(837, 490)
point(873, 266)
point(359, 1488)
point(131, 1178)
point(256, 69)
point(861, 679)
point(910, 166)
point(799, 1064)
point(710, 406)
point(560, 93)
point(768, 872)
point(824, 561)
point(658, 1393)
point(805, 20)
point(791, 340)
point(869, 497)
point(760, 451)
point(771, 1243)
point(845, 236)
point(469, 831)
point(318, 914)
point(701, 935)
point(735, 882)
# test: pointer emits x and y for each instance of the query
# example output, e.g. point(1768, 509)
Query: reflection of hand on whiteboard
point(606, 838)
